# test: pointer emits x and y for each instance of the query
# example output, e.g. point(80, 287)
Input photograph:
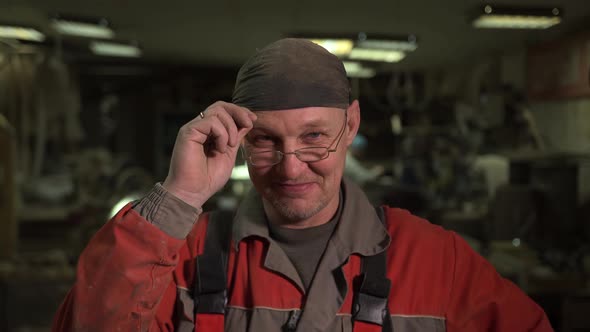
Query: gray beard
point(295, 215)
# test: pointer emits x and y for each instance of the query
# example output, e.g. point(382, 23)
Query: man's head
point(292, 73)
point(300, 93)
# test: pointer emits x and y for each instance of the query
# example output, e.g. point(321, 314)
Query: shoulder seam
point(261, 307)
point(418, 316)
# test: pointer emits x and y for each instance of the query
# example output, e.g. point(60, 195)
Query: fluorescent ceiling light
point(363, 47)
point(368, 54)
point(515, 22)
point(502, 17)
point(240, 173)
point(115, 49)
point(338, 47)
point(399, 45)
point(100, 29)
point(356, 69)
point(21, 33)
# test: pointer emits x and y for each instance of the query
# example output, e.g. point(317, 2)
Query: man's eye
point(313, 135)
point(262, 138)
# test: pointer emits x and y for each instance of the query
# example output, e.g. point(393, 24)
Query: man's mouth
point(290, 188)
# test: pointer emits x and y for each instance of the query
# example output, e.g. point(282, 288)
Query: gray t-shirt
point(305, 247)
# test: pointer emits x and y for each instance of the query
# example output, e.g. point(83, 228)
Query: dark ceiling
point(226, 32)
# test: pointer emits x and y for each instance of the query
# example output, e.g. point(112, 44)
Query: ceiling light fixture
point(502, 17)
point(406, 44)
point(83, 27)
point(21, 33)
point(115, 49)
point(377, 55)
point(337, 46)
point(358, 70)
point(363, 47)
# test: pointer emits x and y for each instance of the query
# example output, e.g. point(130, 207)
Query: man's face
point(295, 190)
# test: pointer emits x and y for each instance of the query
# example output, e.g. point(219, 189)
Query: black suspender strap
point(370, 302)
point(209, 293)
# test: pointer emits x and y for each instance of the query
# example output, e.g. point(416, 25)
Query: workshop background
point(475, 115)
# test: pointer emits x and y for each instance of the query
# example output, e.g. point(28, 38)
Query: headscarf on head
point(292, 73)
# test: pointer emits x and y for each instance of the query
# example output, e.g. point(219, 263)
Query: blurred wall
point(564, 124)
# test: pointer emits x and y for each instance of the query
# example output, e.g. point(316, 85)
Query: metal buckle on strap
point(291, 324)
point(370, 303)
point(212, 303)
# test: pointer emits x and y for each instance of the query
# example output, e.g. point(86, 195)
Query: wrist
point(194, 199)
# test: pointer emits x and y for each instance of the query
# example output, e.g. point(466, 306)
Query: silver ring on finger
point(202, 114)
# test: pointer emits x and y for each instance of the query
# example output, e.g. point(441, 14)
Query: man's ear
point(354, 120)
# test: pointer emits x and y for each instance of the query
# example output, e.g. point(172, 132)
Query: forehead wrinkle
point(280, 127)
point(275, 134)
point(273, 127)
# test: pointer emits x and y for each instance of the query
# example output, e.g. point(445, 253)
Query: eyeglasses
point(307, 155)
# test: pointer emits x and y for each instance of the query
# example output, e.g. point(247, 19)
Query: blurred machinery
point(8, 206)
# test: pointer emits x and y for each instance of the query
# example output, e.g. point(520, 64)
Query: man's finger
point(242, 116)
point(230, 126)
point(242, 133)
point(218, 133)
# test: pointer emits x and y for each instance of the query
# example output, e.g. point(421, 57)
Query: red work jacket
point(133, 276)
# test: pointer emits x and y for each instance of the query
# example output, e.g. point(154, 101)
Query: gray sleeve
point(167, 212)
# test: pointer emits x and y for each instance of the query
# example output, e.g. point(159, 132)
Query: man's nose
point(290, 166)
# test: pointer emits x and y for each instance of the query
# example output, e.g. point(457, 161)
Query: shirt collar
point(359, 229)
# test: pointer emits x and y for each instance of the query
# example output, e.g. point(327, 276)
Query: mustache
point(288, 182)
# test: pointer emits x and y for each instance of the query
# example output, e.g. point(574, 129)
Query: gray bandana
point(292, 73)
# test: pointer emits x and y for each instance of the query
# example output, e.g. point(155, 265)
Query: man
point(298, 240)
